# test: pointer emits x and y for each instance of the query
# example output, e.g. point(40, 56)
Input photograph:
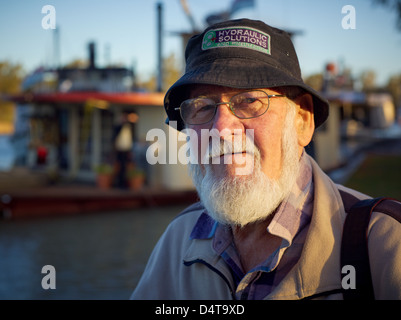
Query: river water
point(95, 256)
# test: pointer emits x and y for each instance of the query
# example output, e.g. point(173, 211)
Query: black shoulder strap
point(354, 247)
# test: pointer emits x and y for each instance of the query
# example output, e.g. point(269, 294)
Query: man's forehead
point(212, 90)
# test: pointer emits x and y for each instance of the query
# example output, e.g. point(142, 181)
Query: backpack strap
point(354, 246)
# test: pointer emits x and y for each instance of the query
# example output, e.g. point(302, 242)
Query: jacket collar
point(318, 269)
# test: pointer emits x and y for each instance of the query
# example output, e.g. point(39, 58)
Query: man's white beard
point(241, 200)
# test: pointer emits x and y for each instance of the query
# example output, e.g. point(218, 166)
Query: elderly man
point(273, 232)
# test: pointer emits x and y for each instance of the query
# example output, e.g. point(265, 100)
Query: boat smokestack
point(92, 55)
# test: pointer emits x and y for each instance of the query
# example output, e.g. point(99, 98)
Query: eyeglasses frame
point(229, 103)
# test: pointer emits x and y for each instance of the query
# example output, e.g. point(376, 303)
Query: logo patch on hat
point(237, 37)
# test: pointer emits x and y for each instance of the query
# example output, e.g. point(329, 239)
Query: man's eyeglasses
point(244, 105)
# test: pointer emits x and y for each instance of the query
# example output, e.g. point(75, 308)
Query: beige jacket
point(180, 268)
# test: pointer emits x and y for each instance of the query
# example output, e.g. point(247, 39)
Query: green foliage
point(10, 77)
point(135, 172)
point(379, 175)
point(394, 87)
point(171, 73)
point(104, 168)
point(10, 83)
point(315, 81)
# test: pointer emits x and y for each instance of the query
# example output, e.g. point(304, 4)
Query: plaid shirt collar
point(292, 215)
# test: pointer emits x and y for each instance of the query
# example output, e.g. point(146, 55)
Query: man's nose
point(224, 118)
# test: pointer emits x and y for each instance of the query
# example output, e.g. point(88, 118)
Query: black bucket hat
point(241, 54)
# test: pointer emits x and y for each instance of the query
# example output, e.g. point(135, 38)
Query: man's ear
point(304, 120)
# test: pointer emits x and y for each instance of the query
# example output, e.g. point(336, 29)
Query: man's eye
point(207, 108)
point(247, 102)
point(198, 112)
point(250, 100)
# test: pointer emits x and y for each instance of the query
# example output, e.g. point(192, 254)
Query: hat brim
point(249, 75)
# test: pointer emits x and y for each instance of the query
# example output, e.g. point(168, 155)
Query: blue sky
point(128, 28)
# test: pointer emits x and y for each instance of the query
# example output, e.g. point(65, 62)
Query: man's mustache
point(235, 145)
